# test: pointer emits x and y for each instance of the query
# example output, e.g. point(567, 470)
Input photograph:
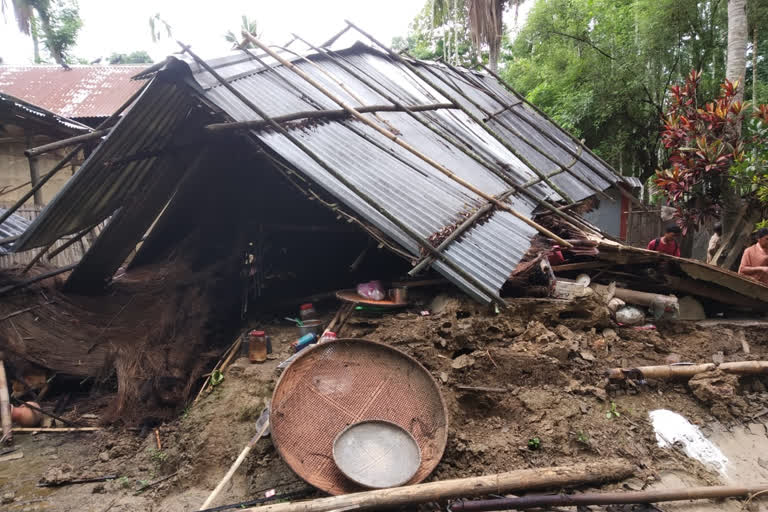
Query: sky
point(110, 26)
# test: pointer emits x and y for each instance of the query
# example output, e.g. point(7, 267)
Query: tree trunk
point(35, 38)
point(754, 70)
point(736, 68)
point(50, 40)
point(737, 44)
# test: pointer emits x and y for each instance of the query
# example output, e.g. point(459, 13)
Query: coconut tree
point(24, 14)
point(736, 63)
point(485, 21)
point(59, 21)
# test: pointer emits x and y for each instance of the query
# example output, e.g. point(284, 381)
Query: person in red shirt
point(668, 242)
point(754, 261)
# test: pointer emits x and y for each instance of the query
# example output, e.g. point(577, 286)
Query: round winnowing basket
point(333, 385)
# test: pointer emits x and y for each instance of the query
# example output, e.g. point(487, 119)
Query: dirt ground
point(543, 362)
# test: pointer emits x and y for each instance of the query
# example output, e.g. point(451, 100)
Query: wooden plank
point(582, 265)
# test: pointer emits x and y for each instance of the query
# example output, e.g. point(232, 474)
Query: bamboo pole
point(49, 414)
point(37, 257)
point(394, 138)
point(608, 498)
point(71, 241)
point(341, 84)
point(523, 479)
point(472, 116)
point(35, 279)
point(686, 371)
point(517, 134)
point(460, 145)
point(545, 116)
point(34, 179)
point(493, 294)
point(43, 180)
point(46, 148)
point(321, 114)
point(463, 227)
point(5, 405)
point(55, 430)
point(579, 143)
point(235, 465)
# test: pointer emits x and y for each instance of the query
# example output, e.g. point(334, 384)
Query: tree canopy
point(137, 57)
point(603, 68)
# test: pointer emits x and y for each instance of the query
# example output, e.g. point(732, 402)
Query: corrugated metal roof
point(82, 91)
point(417, 195)
point(24, 111)
point(120, 166)
point(14, 225)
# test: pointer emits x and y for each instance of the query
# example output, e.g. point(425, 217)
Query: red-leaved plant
point(702, 142)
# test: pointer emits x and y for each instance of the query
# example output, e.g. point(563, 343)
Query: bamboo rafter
point(406, 146)
point(261, 124)
point(466, 111)
point(461, 229)
point(379, 89)
point(516, 133)
point(493, 294)
point(576, 141)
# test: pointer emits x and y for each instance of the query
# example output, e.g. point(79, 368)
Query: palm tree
point(486, 26)
point(247, 25)
point(24, 13)
point(736, 62)
point(60, 25)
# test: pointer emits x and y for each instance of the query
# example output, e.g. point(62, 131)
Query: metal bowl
point(310, 326)
point(377, 454)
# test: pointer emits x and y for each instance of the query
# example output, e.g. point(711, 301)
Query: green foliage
point(217, 377)
point(156, 26)
point(613, 412)
point(246, 25)
point(158, 457)
point(55, 23)
point(138, 57)
point(534, 443)
point(439, 32)
point(749, 176)
point(601, 68)
point(61, 24)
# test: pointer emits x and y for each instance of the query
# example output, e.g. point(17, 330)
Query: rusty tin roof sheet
point(83, 91)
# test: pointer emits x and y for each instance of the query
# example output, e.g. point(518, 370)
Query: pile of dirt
point(525, 388)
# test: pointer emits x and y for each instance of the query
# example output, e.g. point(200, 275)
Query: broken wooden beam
point(686, 371)
point(519, 480)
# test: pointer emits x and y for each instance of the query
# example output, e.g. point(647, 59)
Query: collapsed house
point(301, 160)
point(180, 139)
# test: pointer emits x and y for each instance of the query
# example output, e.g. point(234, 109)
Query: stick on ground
point(520, 480)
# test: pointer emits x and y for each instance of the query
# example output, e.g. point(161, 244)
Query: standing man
point(714, 243)
point(754, 261)
point(668, 242)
